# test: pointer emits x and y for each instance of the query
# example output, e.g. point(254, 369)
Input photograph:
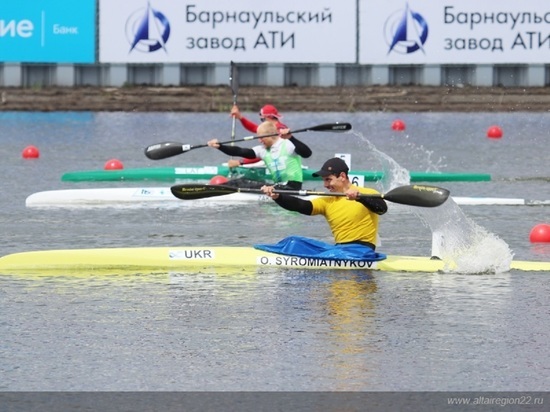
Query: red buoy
point(30, 152)
point(113, 164)
point(218, 180)
point(398, 125)
point(494, 132)
point(540, 234)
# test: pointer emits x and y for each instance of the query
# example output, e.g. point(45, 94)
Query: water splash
point(394, 174)
point(424, 156)
point(462, 244)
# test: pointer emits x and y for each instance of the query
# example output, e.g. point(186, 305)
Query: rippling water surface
point(272, 330)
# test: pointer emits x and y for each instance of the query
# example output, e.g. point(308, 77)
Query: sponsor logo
point(151, 192)
point(340, 127)
point(405, 31)
point(147, 30)
point(430, 189)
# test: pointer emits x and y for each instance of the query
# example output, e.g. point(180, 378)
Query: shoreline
point(300, 99)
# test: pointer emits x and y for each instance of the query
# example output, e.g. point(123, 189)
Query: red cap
point(270, 111)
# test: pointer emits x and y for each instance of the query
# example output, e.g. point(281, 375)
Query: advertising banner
point(454, 32)
point(53, 31)
point(287, 31)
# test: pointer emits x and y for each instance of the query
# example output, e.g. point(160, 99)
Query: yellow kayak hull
point(157, 259)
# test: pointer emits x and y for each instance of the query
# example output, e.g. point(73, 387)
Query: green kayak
point(172, 174)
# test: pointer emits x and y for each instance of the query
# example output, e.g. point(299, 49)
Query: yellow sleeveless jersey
point(349, 220)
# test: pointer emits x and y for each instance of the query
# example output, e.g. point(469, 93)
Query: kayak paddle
point(169, 149)
point(412, 195)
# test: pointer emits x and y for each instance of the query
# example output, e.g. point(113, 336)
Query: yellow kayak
point(156, 259)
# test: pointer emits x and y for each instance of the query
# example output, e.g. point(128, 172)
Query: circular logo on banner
point(147, 30)
point(405, 32)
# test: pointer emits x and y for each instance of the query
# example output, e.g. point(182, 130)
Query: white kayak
point(496, 201)
point(193, 258)
point(141, 196)
point(138, 196)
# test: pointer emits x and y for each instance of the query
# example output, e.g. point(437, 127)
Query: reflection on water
point(541, 249)
point(351, 314)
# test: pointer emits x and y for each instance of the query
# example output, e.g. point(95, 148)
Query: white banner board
point(454, 32)
point(169, 31)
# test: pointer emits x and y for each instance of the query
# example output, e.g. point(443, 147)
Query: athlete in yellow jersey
point(354, 221)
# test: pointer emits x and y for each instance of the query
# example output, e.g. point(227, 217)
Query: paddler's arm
point(247, 124)
point(305, 207)
point(300, 148)
point(292, 203)
point(232, 150)
point(378, 206)
point(242, 162)
point(375, 205)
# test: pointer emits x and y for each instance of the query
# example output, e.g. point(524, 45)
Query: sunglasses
point(264, 118)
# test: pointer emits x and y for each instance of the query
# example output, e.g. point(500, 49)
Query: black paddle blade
point(234, 81)
point(199, 191)
point(166, 149)
point(418, 195)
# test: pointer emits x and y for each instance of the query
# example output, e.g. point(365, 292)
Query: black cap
point(333, 166)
